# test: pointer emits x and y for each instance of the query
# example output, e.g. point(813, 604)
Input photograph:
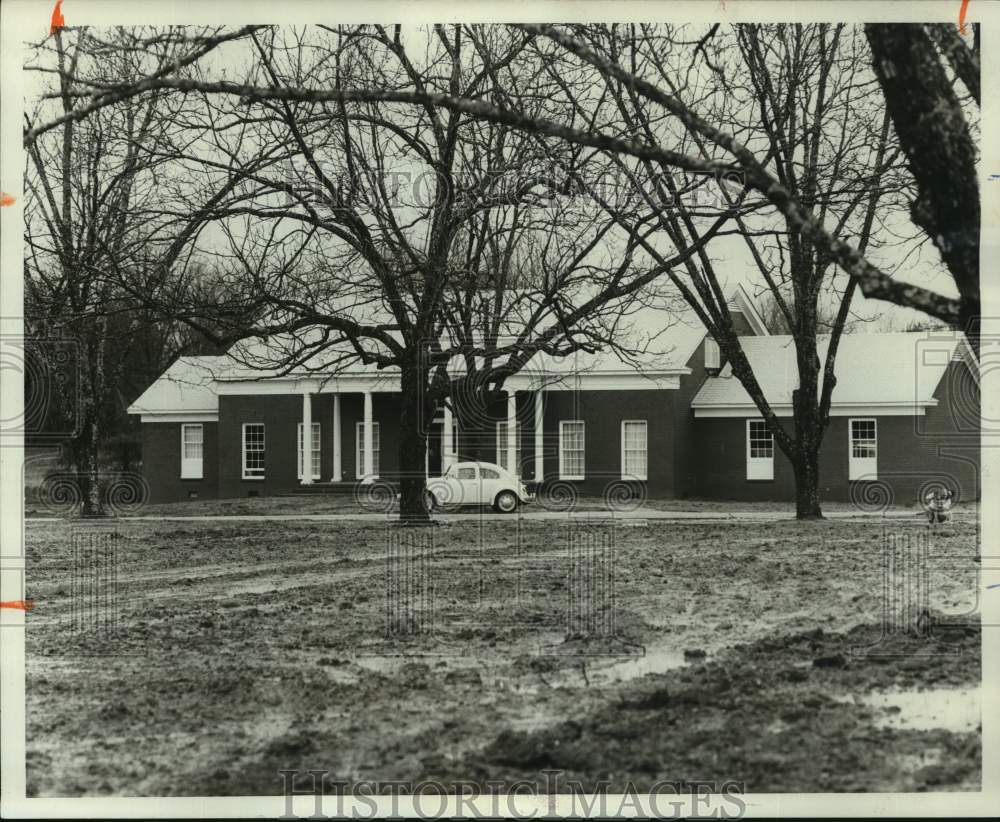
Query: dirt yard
point(728, 651)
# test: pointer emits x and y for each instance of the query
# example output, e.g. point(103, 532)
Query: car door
point(489, 486)
point(467, 482)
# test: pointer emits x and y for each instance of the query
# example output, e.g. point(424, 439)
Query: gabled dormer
point(746, 320)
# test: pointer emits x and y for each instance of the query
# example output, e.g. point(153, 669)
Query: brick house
point(905, 413)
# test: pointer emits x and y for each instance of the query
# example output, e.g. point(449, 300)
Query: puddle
point(653, 661)
point(381, 664)
point(950, 709)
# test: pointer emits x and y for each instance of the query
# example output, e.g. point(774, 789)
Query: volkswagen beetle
point(477, 483)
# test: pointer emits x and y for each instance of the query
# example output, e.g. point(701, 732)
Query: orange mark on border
point(58, 21)
point(19, 604)
point(961, 15)
point(7, 199)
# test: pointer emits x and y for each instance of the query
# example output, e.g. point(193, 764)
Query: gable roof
point(667, 335)
point(186, 387)
point(900, 371)
point(664, 333)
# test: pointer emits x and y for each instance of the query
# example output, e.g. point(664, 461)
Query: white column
point(447, 446)
point(539, 438)
point(512, 465)
point(368, 471)
point(307, 427)
point(338, 458)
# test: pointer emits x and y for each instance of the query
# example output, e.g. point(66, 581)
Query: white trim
point(562, 472)
point(317, 452)
point(338, 454)
point(645, 445)
point(341, 385)
point(179, 416)
point(502, 455)
point(243, 452)
point(539, 435)
point(603, 381)
point(620, 380)
point(888, 409)
point(712, 352)
point(449, 440)
point(192, 468)
point(750, 311)
point(759, 468)
point(861, 468)
point(513, 435)
point(359, 457)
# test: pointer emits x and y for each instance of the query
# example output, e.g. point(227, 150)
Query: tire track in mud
point(276, 682)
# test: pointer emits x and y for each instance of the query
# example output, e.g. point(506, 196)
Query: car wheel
point(505, 503)
point(430, 501)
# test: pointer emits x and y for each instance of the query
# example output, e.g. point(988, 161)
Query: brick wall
point(161, 463)
point(603, 412)
point(941, 445)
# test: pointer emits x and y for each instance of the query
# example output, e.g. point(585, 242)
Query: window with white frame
point(317, 451)
point(192, 451)
point(253, 450)
point(634, 449)
point(760, 451)
point(571, 442)
point(360, 439)
point(863, 458)
point(502, 447)
point(712, 356)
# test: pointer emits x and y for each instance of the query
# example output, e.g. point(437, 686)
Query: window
point(571, 438)
point(634, 449)
point(502, 447)
point(317, 451)
point(712, 357)
point(489, 473)
point(760, 451)
point(361, 449)
point(253, 450)
point(468, 473)
point(863, 459)
point(192, 451)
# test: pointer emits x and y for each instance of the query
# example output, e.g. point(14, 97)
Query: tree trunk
point(806, 468)
point(413, 419)
point(89, 471)
point(935, 136)
point(90, 467)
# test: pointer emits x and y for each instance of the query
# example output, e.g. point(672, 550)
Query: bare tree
point(799, 95)
point(316, 97)
point(397, 236)
point(94, 207)
point(937, 138)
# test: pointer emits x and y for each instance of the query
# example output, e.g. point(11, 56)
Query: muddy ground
point(731, 651)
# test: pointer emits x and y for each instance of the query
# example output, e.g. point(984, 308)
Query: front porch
point(442, 448)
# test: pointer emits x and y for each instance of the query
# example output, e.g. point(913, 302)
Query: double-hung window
point(502, 447)
point(760, 451)
point(360, 439)
point(863, 456)
point(317, 451)
point(571, 442)
point(192, 451)
point(633, 449)
point(253, 450)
